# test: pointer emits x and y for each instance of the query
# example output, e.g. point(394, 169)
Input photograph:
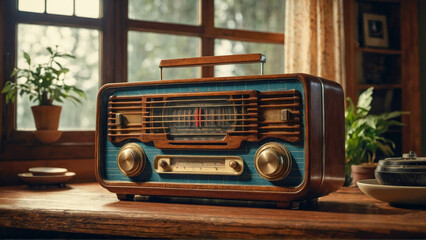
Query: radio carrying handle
point(213, 60)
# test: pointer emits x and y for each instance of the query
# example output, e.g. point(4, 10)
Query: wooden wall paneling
point(410, 73)
point(349, 18)
point(1, 73)
point(9, 123)
point(409, 52)
point(422, 64)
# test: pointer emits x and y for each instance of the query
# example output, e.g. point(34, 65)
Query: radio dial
point(131, 159)
point(273, 161)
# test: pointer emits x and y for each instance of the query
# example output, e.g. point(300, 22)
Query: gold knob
point(163, 164)
point(235, 165)
point(273, 161)
point(131, 159)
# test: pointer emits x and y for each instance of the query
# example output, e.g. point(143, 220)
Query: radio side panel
point(325, 120)
point(334, 134)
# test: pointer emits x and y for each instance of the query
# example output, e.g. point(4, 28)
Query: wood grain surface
point(88, 208)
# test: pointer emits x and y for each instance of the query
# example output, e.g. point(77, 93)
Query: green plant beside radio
point(364, 132)
point(44, 84)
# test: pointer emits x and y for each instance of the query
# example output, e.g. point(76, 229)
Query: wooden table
point(90, 209)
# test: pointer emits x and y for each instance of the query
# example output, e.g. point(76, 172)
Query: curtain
point(314, 38)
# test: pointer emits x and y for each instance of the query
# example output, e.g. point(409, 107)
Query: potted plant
point(364, 136)
point(44, 84)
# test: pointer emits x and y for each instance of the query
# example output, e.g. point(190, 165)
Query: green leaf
point(7, 87)
point(371, 121)
point(11, 95)
point(49, 49)
point(364, 101)
point(27, 58)
point(57, 63)
point(65, 55)
point(393, 114)
point(15, 71)
point(79, 92)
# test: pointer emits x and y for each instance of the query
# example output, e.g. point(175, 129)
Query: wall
point(422, 63)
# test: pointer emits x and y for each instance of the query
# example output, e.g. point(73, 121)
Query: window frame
point(22, 145)
point(113, 26)
point(206, 31)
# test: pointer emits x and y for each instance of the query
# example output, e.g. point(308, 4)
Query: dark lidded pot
point(409, 170)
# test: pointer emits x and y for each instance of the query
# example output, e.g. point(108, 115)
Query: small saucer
point(406, 195)
point(31, 179)
point(47, 171)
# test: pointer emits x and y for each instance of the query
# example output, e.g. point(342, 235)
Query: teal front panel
point(247, 150)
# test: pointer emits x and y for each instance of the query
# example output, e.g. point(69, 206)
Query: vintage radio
point(268, 137)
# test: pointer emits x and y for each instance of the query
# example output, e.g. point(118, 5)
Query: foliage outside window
point(168, 11)
point(145, 50)
point(255, 15)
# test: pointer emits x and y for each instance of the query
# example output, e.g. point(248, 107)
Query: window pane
point(87, 8)
point(84, 73)
point(62, 7)
point(146, 50)
point(31, 6)
point(266, 16)
point(172, 11)
point(274, 58)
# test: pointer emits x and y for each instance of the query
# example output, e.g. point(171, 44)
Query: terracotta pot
point(48, 136)
point(362, 171)
point(46, 117)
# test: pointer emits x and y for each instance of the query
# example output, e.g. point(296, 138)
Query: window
point(79, 8)
point(74, 26)
point(168, 11)
point(84, 70)
point(79, 41)
point(273, 52)
point(119, 41)
point(253, 15)
point(145, 51)
point(219, 27)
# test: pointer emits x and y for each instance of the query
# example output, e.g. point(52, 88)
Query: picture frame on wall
point(375, 30)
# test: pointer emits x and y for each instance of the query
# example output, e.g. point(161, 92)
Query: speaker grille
point(209, 120)
point(280, 115)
